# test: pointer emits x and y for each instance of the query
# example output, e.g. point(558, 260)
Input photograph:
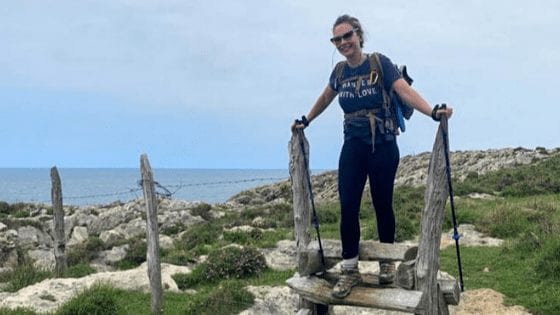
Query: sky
point(217, 84)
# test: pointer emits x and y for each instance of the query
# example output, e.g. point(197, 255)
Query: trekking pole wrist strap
point(304, 121)
point(434, 111)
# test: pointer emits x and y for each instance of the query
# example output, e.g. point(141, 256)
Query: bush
point(229, 298)
point(198, 235)
point(202, 210)
point(79, 270)
point(4, 207)
point(227, 263)
point(177, 257)
point(243, 238)
point(98, 300)
point(234, 262)
point(85, 252)
point(135, 255)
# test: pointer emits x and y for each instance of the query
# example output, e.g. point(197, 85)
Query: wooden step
point(319, 290)
point(310, 260)
point(369, 250)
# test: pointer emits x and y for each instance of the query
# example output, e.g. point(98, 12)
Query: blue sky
point(199, 84)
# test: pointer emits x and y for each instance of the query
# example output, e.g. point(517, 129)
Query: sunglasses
point(345, 36)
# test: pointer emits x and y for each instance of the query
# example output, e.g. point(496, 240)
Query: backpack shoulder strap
point(338, 70)
point(377, 69)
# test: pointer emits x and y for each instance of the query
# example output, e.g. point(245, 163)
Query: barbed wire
point(165, 190)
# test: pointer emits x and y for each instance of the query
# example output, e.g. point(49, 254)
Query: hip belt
point(373, 121)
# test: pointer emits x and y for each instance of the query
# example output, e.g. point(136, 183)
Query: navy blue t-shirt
point(368, 96)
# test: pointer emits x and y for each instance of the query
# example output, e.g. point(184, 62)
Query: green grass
point(510, 272)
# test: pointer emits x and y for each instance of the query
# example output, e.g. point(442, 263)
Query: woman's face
point(346, 40)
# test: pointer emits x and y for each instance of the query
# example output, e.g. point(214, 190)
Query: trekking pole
point(315, 218)
point(456, 235)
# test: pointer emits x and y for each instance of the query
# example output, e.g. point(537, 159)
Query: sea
point(99, 186)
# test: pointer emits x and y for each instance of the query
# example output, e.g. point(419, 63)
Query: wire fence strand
point(169, 190)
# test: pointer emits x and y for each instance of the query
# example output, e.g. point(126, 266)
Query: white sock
point(351, 263)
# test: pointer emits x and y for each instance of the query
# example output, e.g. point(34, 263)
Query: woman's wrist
point(435, 116)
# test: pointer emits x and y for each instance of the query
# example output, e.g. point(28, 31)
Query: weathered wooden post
point(435, 197)
point(154, 268)
point(59, 236)
point(299, 171)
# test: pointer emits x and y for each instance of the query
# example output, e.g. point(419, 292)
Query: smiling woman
point(362, 83)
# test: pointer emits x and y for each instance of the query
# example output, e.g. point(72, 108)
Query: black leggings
point(356, 163)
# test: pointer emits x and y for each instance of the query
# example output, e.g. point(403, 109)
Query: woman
point(370, 148)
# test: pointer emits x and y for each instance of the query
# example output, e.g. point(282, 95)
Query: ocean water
point(91, 186)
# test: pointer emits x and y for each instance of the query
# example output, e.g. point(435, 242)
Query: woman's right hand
point(300, 124)
point(297, 125)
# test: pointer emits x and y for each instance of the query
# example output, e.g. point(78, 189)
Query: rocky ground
point(116, 223)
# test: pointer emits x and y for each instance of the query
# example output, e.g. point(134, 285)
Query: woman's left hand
point(447, 111)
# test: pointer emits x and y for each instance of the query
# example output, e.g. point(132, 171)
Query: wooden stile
point(419, 290)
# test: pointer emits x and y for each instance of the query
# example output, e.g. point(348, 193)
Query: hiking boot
point(386, 272)
point(348, 279)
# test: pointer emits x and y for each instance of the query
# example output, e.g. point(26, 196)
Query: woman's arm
point(414, 99)
point(322, 102)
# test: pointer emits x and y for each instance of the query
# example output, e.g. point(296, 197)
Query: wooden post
point(435, 197)
point(154, 268)
point(59, 236)
point(299, 166)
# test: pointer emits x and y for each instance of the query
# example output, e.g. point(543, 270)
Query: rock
point(3, 227)
point(65, 288)
point(282, 257)
point(111, 237)
point(115, 254)
point(79, 235)
point(29, 237)
point(42, 259)
point(272, 300)
point(166, 242)
point(469, 237)
point(484, 301)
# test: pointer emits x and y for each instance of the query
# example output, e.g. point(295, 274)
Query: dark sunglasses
point(345, 36)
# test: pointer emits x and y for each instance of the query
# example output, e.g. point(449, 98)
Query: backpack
point(396, 110)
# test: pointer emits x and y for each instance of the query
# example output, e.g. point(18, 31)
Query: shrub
point(21, 214)
point(4, 207)
point(177, 257)
point(243, 238)
point(229, 298)
point(234, 262)
point(227, 263)
point(79, 270)
point(85, 252)
point(199, 234)
point(202, 210)
point(98, 300)
point(135, 255)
